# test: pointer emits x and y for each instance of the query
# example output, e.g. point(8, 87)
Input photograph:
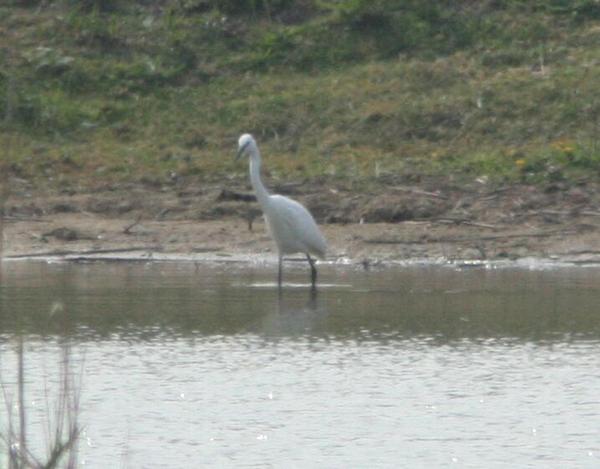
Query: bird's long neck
point(260, 190)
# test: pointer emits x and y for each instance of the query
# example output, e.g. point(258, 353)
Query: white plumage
point(291, 225)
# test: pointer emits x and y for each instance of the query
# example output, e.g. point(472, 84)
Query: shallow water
point(210, 366)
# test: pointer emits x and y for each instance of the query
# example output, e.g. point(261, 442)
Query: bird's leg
point(313, 270)
point(280, 272)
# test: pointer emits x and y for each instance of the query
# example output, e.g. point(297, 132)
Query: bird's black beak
point(241, 151)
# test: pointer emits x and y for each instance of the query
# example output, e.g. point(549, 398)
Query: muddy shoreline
point(433, 221)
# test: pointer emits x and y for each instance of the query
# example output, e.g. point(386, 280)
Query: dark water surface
point(196, 366)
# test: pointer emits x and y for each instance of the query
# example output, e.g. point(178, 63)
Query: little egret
point(291, 225)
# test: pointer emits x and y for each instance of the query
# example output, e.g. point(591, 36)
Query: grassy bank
point(123, 91)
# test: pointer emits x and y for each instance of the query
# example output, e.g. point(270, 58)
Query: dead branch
point(14, 219)
point(127, 229)
point(420, 192)
point(84, 253)
point(590, 213)
point(469, 239)
point(462, 221)
point(227, 194)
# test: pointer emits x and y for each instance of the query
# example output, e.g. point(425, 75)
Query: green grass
point(348, 89)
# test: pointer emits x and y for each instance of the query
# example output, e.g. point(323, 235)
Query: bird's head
point(245, 143)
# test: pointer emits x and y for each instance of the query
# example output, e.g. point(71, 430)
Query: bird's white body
point(293, 228)
point(291, 225)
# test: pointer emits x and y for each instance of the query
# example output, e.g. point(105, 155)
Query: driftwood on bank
point(410, 190)
point(227, 194)
point(127, 229)
point(460, 221)
point(89, 252)
point(462, 239)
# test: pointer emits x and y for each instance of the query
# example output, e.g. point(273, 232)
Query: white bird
point(291, 225)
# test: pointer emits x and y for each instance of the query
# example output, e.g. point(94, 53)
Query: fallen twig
point(162, 213)
point(18, 219)
point(494, 194)
point(420, 192)
point(227, 194)
point(550, 212)
point(590, 213)
point(127, 229)
point(68, 234)
point(288, 187)
point(84, 253)
point(462, 221)
point(479, 225)
point(200, 250)
point(459, 239)
point(580, 253)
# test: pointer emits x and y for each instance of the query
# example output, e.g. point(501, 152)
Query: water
point(188, 366)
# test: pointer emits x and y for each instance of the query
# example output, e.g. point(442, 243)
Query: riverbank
point(433, 221)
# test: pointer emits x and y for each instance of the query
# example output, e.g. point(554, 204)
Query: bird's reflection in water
point(298, 312)
point(313, 292)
